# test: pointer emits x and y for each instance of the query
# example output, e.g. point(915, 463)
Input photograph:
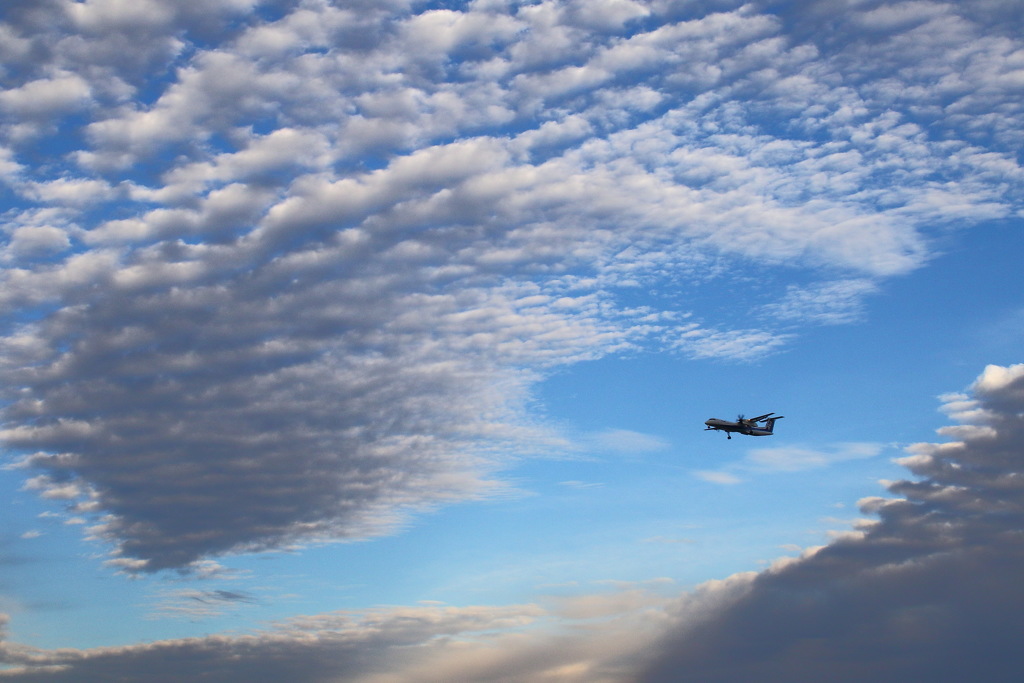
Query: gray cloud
point(322, 648)
point(195, 604)
point(928, 591)
point(291, 279)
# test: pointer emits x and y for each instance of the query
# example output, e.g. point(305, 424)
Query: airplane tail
point(770, 427)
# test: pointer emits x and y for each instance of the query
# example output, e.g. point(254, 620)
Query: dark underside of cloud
point(931, 590)
point(851, 616)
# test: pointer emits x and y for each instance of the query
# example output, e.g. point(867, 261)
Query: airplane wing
point(760, 417)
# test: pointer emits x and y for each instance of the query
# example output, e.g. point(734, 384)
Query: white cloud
point(717, 477)
point(788, 458)
point(793, 459)
point(605, 14)
point(331, 252)
point(581, 485)
point(831, 303)
point(46, 96)
point(35, 239)
point(735, 344)
point(628, 441)
point(900, 16)
point(70, 191)
point(99, 15)
point(998, 379)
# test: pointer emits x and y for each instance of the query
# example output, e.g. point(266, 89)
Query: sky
point(373, 341)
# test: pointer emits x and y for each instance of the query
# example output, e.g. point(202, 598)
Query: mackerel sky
point(373, 341)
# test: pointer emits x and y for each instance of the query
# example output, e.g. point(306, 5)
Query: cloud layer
point(927, 590)
point(283, 272)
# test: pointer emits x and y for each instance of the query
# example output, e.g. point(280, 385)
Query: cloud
point(45, 96)
point(717, 477)
point(296, 268)
point(572, 638)
point(627, 441)
point(581, 485)
point(195, 604)
point(930, 590)
point(745, 345)
point(346, 645)
point(832, 303)
point(790, 458)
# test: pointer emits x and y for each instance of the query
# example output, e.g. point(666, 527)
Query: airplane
point(744, 426)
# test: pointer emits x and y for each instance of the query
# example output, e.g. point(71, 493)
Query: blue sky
point(374, 340)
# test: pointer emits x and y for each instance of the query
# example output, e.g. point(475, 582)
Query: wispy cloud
point(580, 485)
point(789, 458)
point(717, 476)
point(194, 604)
point(830, 303)
point(627, 441)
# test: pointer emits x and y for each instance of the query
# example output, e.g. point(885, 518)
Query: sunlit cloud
point(278, 274)
point(331, 251)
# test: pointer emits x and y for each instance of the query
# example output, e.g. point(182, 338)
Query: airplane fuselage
point(752, 427)
point(737, 428)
